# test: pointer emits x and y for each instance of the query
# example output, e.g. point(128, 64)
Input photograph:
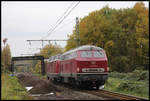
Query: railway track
point(108, 95)
point(113, 95)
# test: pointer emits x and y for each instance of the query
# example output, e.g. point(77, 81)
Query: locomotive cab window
point(62, 57)
point(66, 57)
point(86, 54)
point(56, 57)
point(98, 54)
point(73, 55)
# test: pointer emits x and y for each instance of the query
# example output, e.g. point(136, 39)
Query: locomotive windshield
point(88, 54)
point(98, 54)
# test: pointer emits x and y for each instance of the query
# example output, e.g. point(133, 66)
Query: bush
point(122, 64)
point(140, 68)
point(140, 75)
point(134, 83)
point(117, 75)
point(131, 86)
point(136, 75)
point(144, 75)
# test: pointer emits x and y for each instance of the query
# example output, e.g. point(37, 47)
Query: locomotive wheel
point(55, 81)
point(78, 84)
point(47, 78)
point(97, 87)
point(86, 86)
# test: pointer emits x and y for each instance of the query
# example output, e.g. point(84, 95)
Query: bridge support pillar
point(43, 67)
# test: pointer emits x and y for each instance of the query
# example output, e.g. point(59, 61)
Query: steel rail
point(113, 95)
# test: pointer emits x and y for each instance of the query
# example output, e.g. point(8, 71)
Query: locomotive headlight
point(78, 69)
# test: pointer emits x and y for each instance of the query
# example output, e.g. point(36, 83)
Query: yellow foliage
point(50, 50)
point(142, 25)
point(108, 46)
point(38, 67)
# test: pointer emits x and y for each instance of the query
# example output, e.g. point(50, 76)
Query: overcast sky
point(23, 21)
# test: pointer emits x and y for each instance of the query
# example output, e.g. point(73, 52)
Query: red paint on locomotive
point(53, 67)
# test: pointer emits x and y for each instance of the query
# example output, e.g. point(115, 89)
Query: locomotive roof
point(56, 57)
point(84, 47)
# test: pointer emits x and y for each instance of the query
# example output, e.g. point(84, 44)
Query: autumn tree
point(50, 50)
point(142, 34)
point(6, 58)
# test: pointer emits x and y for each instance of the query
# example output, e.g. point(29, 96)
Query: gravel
point(46, 90)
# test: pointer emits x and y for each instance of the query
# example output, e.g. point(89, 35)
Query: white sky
point(23, 21)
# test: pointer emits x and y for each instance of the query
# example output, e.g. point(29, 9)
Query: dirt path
point(45, 90)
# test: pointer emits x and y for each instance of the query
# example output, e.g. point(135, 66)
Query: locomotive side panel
point(46, 62)
point(54, 66)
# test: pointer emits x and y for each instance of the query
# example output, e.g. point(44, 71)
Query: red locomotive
point(83, 66)
point(52, 67)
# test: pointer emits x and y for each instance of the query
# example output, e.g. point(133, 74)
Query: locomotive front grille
point(92, 69)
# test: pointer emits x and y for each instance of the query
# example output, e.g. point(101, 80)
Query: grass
point(39, 75)
point(127, 85)
point(12, 90)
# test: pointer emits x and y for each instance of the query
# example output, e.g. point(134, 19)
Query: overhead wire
point(33, 50)
point(56, 25)
point(61, 20)
point(66, 24)
point(62, 15)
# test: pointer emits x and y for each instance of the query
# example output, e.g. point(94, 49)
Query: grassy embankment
point(135, 83)
point(12, 89)
point(39, 75)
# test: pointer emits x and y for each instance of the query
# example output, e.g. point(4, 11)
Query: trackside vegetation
point(12, 89)
point(135, 83)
